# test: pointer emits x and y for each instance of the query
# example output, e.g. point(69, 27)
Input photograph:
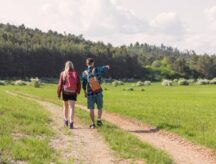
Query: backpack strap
point(93, 70)
point(86, 73)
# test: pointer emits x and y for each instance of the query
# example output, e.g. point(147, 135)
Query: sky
point(183, 24)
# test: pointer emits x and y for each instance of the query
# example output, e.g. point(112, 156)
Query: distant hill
point(26, 52)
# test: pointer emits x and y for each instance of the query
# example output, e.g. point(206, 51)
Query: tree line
point(26, 52)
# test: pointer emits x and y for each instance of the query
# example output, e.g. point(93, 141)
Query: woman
point(69, 85)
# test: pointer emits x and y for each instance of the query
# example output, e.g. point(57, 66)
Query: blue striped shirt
point(99, 71)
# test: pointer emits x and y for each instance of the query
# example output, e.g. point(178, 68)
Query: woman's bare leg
point(71, 107)
point(65, 110)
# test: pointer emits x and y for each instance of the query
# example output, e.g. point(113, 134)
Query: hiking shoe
point(66, 122)
point(71, 125)
point(99, 123)
point(92, 126)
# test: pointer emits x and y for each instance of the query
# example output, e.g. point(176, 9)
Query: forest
point(26, 52)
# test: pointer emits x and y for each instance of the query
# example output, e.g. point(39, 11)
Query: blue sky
point(185, 24)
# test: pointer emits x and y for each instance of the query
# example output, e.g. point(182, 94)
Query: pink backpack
point(71, 80)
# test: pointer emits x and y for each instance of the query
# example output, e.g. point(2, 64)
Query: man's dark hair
point(89, 61)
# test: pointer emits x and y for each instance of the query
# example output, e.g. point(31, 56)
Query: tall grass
point(24, 131)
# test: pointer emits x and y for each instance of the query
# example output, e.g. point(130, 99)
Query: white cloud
point(96, 18)
point(62, 16)
point(204, 41)
point(167, 23)
point(105, 17)
point(108, 21)
point(211, 13)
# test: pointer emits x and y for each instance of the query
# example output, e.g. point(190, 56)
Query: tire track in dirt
point(81, 145)
point(181, 150)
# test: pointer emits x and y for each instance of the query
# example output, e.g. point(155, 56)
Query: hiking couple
point(69, 87)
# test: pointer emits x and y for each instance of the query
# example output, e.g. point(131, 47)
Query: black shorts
point(67, 97)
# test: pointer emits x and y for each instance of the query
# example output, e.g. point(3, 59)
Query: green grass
point(186, 110)
point(24, 131)
point(124, 144)
point(189, 111)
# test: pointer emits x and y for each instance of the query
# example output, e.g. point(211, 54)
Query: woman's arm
point(84, 83)
point(78, 84)
point(60, 85)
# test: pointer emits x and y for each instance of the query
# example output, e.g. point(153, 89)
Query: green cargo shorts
point(95, 99)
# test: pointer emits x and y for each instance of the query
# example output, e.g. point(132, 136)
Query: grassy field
point(24, 131)
point(189, 111)
point(125, 145)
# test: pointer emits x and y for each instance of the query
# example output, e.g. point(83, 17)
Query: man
point(91, 80)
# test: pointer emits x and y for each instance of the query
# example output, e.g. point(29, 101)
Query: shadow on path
point(153, 130)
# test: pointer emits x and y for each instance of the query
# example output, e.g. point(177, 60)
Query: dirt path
point(80, 145)
point(181, 150)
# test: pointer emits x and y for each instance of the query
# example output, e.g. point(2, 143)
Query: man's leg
point(100, 111)
point(99, 102)
point(90, 103)
point(92, 115)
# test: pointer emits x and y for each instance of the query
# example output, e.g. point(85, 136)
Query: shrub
point(117, 83)
point(139, 83)
point(35, 82)
point(19, 82)
point(191, 80)
point(203, 81)
point(120, 82)
point(167, 83)
point(2, 82)
point(147, 83)
point(107, 80)
point(175, 80)
point(130, 89)
point(183, 82)
point(9, 82)
point(213, 81)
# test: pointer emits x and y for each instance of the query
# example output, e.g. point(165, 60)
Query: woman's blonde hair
point(68, 66)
